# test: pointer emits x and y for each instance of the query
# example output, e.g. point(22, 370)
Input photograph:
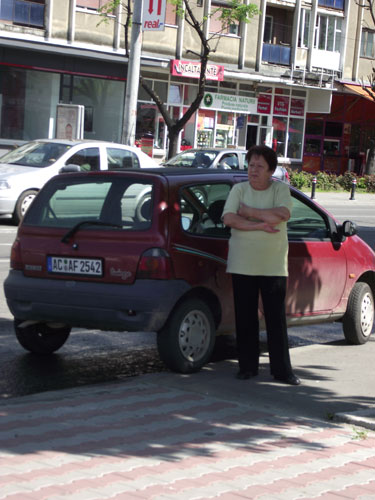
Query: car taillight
point(156, 264)
point(15, 256)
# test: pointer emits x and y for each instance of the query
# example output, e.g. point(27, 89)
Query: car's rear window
point(112, 203)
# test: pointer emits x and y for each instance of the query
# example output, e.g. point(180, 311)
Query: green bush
point(331, 182)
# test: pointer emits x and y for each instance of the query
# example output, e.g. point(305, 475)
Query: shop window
point(368, 44)
point(175, 94)
point(295, 138)
point(314, 127)
point(279, 135)
point(216, 24)
point(333, 129)
point(312, 145)
point(26, 13)
point(142, 94)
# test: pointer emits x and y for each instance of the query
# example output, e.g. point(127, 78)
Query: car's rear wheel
point(23, 204)
point(187, 340)
point(359, 317)
point(40, 338)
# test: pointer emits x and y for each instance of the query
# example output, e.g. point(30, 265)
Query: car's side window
point(87, 159)
point(121, 158)
point(229, 160)
point(306, 223)
point(202, 207)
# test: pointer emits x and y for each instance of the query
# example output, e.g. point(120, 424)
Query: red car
point(146, 251)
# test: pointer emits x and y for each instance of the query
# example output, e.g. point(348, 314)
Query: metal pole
point(354, 185)
point(313, 186)
point(132, 82)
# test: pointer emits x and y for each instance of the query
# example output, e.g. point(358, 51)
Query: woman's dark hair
point(268, 154)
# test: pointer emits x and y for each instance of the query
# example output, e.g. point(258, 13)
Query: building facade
point(290, 78)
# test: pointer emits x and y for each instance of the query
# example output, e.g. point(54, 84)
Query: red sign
point(192, 69)
point(297, 107)
point(264, 104)
point(281, 105)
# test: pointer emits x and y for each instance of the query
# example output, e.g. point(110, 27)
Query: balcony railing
point(277, 54)
point(22, 12)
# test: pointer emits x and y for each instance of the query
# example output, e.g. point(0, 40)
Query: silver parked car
point(227, 159)
point(25, 170)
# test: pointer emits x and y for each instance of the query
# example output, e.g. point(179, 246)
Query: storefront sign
point(281, 105)
point(154, 15)
point(297, 107)
point(232, 103)
point(264, 104)
point(192, 69)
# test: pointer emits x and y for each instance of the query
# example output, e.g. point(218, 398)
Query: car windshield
point(85, 203)
point(35, 154)
point(190, 158)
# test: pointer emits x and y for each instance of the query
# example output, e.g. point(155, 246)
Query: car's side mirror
point(71, 167)
point(349, 228)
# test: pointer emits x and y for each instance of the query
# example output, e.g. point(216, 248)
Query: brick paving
point(140, 440)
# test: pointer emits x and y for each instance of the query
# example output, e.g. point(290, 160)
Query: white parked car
point(25, 170)
point(226, 159)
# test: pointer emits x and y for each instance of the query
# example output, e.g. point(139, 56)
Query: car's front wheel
point(40, 338)
point(23, 204)
point(187, 340)
point(359, 317)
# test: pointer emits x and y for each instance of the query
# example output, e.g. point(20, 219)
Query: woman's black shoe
point(244, 375)
point(289, 379)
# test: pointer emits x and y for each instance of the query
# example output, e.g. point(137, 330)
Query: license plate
point(70, 265)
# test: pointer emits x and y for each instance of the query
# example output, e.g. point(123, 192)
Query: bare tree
point(234, 11)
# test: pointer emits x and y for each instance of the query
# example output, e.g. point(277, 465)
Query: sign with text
point(281, 105)
point(264, 104)
point(154, 15)
point(231, 103)
point(192, 69)
point(297, 107)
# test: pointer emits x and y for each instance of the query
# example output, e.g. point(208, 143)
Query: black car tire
point(40, 338)
point(359, 317)
point(23, 203)
point(187, 340)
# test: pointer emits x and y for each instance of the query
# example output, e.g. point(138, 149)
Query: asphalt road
point(92, 356)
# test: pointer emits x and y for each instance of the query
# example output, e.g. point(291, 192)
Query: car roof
point(75, 142)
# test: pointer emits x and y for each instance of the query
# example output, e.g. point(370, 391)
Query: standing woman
point(257, 212)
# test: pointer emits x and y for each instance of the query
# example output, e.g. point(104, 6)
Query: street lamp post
point(132, 82)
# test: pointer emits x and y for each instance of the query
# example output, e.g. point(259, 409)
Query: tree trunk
point(370, 163)
point(173, 140)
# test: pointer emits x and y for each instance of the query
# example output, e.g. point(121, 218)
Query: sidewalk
point(201, 436)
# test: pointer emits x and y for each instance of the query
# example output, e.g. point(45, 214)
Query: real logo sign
point(154, 15)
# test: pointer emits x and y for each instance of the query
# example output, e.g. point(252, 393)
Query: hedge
point(331, 182)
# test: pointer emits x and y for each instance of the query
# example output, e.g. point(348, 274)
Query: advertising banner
point(231, 103)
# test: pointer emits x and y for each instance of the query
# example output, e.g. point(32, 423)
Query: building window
point(335, 4)
point(367, 44)
point(91, 4)
point(268, 29)
point(304, 27)
point(170, 14)
point(216, 24)
point(26, 13)
point(328, 33)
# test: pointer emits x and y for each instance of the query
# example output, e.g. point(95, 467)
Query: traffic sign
point(154, 15)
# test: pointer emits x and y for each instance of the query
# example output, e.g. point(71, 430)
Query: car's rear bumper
point(142, 306)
